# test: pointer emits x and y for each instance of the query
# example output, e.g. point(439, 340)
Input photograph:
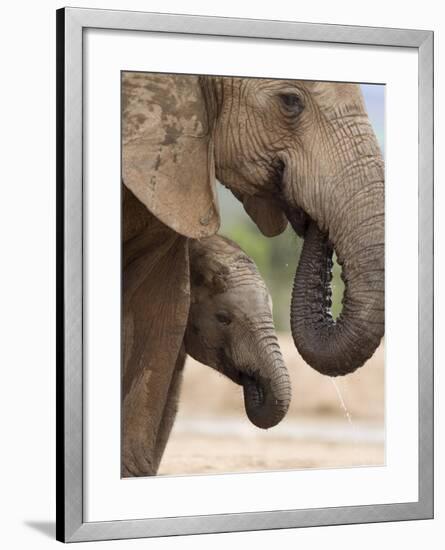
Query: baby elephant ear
point(267, 215)
point(168, 152)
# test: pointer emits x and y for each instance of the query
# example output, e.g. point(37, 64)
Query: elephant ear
point(266, 213)
point(167, 151)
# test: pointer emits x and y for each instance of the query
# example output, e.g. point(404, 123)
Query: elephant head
point(230, 327)
point(292, 151)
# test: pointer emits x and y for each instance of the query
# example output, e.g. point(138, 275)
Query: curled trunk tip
point(267, 400)
point(338, 347)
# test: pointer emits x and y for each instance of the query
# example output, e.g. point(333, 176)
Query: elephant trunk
point(267, 388)
point(338, 347)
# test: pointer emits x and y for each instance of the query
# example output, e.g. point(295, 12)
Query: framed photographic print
point(245, 255)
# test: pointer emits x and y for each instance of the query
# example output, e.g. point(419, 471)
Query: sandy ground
point(331, 422)
point(194, 454)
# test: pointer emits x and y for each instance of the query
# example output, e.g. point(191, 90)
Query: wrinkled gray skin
point(302, 152)
point(308, 150)
point(230, 327)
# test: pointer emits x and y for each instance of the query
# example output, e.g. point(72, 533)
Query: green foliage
point(338, 287)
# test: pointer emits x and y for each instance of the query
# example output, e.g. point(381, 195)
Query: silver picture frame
point(71, 24)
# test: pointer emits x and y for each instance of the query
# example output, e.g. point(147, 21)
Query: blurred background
point(332, 422)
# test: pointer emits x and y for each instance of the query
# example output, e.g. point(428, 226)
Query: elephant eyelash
point(292, 102)
point(223, 318)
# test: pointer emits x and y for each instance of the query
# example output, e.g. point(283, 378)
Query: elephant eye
point(293, 103)
point(223, 318)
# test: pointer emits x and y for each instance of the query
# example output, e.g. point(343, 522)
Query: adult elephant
point(292, 151)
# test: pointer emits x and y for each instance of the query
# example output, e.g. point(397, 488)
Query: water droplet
point(348, 416)
point(342, 402)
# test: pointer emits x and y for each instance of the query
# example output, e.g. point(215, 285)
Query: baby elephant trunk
point(267, 388)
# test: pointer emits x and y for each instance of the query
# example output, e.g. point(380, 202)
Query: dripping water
point(342, 402)
point(348, 418)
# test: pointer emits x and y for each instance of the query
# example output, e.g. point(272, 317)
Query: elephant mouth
point(299, 221)
point(295, 215)
point(227, 368)
point(254, 389)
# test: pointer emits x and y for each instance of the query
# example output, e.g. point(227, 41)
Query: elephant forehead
point(330, 95)
point(245, 297)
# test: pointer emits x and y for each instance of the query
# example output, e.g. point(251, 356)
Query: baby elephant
point(230, 327)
